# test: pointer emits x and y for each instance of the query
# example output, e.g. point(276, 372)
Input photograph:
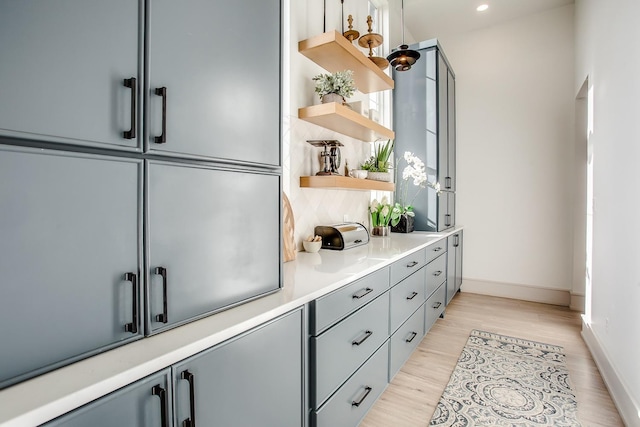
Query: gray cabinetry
point(424, 121)
point(203, 255)
point(434, 307)
point(145, 403)
point(64, 65)
point(221, 84)
point(252, 380)
point(454, 264)
point(71, 251)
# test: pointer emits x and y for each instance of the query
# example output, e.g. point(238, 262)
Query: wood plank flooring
point(410, 399)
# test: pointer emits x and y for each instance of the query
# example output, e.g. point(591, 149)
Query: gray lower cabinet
point(454, 264)
point(434, 307)
point(405, 340)
point(255, 379)
point(208, 245)
point(64, 65)
point(214, 91)
point(145, 403)
point(71, 258)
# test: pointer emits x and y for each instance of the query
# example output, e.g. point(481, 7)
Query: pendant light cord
point(402, 19)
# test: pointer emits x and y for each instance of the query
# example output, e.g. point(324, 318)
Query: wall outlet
point(345, 218)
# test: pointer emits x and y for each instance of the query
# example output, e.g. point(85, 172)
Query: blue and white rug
point(506, 381)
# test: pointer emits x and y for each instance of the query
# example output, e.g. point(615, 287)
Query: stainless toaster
point(342, 236)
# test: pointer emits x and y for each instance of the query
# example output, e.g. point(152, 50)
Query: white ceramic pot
point(379, 176)
point(333, 97)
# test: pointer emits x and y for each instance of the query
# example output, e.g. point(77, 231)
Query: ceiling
point(427, 19)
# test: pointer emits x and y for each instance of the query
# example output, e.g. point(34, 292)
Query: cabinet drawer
point(338, 352)
point(406, 297)
point(405, 340)
point(329, 309)
point(436, 273)
point(436, 249)
point(407, 265)
point(434, 307)
point(350, 404)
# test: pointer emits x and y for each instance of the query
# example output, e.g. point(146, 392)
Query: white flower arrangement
point(383, 214)
point(414, 170)
point(340, 82)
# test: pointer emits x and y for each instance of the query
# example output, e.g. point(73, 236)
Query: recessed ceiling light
point(482, 7)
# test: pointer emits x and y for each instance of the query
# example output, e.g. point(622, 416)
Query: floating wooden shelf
point(345, 182)
point(344, 120)
point(333, 52)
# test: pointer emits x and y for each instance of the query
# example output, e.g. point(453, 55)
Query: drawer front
point(407, 265)
point(436, 249)
point(330, 308)
point(405, 340)
point(436, 273)
point(351, 403)
point(434, 307)
point(338, 352)
point(406, 297)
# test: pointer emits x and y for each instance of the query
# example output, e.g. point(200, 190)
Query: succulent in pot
point(335, 87)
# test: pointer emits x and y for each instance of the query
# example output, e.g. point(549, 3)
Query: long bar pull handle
point(131, 83)
point(447, 220)
point(162, 91)
point(191, 421)
point(157, 390)
point(411, 337)
point(413, 295)
point(163, 318)
point(133, 326)
point(412, 264)
point(456, 240)
point(367, 334)
point(437, 305)
point(361, 293)
point(358, 402)
point(447, 182)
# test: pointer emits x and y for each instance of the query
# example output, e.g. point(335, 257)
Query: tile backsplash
point(318, 206)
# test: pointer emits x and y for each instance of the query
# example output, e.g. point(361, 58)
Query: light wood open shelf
point(344, 182)
point(344, 120)
point(333, 52)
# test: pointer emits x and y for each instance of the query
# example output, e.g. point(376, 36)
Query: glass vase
point(381, 230)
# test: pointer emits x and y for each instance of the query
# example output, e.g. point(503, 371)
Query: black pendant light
point(403, 58)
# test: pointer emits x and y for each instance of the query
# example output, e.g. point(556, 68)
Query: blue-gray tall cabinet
point(136, 140)
point(424, 120)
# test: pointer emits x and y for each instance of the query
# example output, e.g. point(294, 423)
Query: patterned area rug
point(505, 381)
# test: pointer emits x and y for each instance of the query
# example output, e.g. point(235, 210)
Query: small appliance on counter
point(346, 235)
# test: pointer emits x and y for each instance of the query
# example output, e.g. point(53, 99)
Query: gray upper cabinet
point(71, 252)
point(256, 379)
point(64, 65)
point(215, 66)
point(145, 403)
point(424, 122)
point(213, 240)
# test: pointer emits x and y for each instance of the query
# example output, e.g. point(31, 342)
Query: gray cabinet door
point(451, 135)
point(63, 68)
point(220, 64)
point(253, 380)
point(145, 403)
point(458, 244)
point(443, 124)
point(214, 240)
point(451, 267)
point(71, 251)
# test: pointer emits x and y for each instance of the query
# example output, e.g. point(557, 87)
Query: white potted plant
point(335, 87)
point(378, 164)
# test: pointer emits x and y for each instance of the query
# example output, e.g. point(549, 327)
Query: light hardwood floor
point(410, 399)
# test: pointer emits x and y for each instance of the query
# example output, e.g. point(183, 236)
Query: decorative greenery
point(383, 213)
point(340, 82)
point(379, 162)
point(415, 170)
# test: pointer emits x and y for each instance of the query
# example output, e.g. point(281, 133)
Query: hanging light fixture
point(403, 58)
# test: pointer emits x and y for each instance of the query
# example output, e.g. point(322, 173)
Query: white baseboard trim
point(577, 302)
point(628, 408)
point(514, 291)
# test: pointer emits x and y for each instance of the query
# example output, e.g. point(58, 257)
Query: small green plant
point(340, 82)
point(383, 213)
point(379, 162)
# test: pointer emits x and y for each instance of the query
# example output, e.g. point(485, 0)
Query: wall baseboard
point(627, 407)
point(577, 302)
point(514, 291)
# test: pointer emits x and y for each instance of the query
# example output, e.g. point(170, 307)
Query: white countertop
point(310, 276)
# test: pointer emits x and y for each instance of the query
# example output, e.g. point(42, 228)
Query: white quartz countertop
point(309, 277)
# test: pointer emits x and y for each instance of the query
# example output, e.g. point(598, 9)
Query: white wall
point(608, 52)
point(515, 106)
